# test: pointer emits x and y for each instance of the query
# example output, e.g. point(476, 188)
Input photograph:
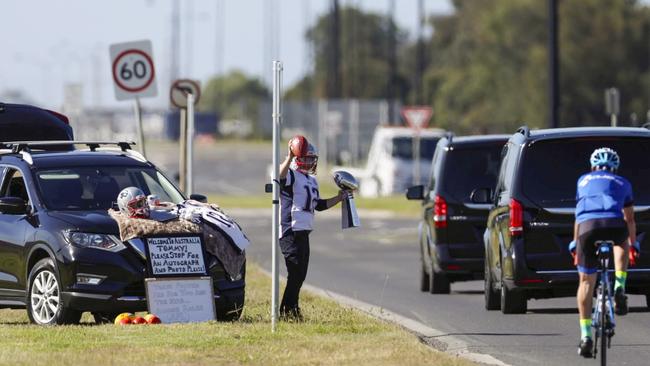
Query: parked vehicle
point(532, 216)
point(451, 228)
point(55, 231)
point(390, 165)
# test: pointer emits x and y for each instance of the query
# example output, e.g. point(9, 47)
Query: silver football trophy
point(348, 183)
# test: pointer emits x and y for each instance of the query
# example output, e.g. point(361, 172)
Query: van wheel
point(492, 299)
point(438, 283)
point(44, 302)
point(513, 302)
point(424, 280)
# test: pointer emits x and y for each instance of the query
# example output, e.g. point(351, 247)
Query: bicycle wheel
point(604, 334)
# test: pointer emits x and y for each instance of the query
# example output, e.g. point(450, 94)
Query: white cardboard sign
point(176, 256)
point(181, 300)
point(133, 70)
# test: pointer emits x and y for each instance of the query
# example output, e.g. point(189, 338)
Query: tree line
point(485, 65)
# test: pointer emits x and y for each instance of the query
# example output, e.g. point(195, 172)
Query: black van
point(533, 212)
point(452, 226)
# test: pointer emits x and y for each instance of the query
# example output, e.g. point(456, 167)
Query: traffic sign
point(179, 90)
point(417, 116)
point(134, 74)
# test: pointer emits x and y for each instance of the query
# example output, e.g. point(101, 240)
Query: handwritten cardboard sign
point(176, 256)
point(181, 300)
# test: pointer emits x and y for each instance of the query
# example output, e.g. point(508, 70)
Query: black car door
point(13, 230)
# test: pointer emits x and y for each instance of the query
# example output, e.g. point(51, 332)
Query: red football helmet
point(308, 163)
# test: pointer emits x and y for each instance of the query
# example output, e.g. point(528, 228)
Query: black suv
point(531, 221)
point(452, 226)
point(60, 252)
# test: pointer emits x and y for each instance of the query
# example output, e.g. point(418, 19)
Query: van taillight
point(516, 218)
point(439, 212)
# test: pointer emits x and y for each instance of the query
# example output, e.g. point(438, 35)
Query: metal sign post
point(612, 104)
point(184, 94)
point(134, 76)
point(182, 141)
point(138, 116)
point(190, 145)
point(417, 117)
point(277, 121)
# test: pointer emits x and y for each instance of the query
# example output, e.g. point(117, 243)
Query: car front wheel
point(44, 302)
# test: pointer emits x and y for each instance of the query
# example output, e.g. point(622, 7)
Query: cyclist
point(604, 211)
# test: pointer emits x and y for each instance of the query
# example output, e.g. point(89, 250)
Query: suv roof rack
point(24, 147)
point(18, 146)
point(524, 130)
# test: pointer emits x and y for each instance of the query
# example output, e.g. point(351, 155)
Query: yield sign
point(417, 116)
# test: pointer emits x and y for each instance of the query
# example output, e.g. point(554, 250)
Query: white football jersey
point(299, 196)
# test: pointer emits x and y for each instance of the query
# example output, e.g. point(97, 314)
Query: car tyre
point(513, 302)
point(425, 282)
point(492, 298)
point(438, 283)
point(44, 301)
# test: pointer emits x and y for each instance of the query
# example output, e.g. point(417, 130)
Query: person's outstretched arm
point(324, 204)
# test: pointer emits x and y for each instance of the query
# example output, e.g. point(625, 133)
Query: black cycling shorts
point(591, 231)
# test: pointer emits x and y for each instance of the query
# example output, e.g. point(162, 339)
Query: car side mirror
point(199, 197)
point(481, 195)
point(13, 206)
point(415, 193)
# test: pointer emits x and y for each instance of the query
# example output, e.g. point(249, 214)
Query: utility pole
point(175, 41)
point(419, 69)
point(334, 78)
point(553, 66)
point(392, 62)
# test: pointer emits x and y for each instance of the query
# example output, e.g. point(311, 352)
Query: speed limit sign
point(134, 75)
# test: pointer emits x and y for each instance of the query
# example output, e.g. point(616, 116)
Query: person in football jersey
point(299, 199)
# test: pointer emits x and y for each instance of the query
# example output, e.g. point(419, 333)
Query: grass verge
point(330, 335)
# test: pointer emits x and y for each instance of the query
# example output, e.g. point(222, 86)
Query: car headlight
point(92, 240)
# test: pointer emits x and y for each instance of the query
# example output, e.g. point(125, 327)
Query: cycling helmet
point(604, 158)
point(307, 163)
point(132, 202)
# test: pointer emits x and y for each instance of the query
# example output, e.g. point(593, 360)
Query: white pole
point(354, 131)
point(138, 117)
point(277, 121)
point(189, 189)
point(182, 146)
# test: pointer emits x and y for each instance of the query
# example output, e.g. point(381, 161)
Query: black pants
point(591, 231)
point(295, 248)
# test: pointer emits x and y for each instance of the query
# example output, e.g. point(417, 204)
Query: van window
point(468, 168)
point(403, 147)
point(552, 168)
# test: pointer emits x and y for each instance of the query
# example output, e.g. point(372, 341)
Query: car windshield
point(551, 168)
point(96, 188)
point(403, 147)
point(469, 168)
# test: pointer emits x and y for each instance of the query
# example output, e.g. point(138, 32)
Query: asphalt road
point(379, 264)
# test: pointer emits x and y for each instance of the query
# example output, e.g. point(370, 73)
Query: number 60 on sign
point(133, 70)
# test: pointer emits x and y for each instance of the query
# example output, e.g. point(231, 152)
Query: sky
point(47, 44)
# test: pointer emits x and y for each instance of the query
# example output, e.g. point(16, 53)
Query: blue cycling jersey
point(602, 195)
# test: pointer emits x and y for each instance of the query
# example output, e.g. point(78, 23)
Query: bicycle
point(602, 318)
